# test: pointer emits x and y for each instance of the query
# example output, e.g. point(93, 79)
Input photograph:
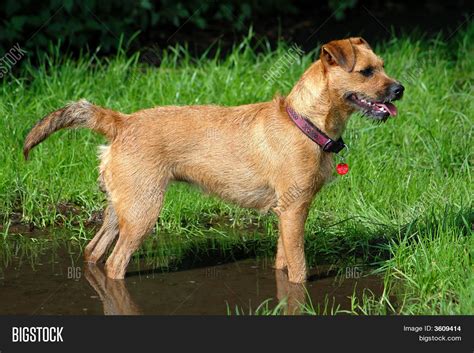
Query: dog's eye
point(367, 72)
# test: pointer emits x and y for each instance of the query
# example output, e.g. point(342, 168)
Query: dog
point(251, 155)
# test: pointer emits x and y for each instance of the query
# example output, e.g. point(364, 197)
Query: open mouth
point(373, 109)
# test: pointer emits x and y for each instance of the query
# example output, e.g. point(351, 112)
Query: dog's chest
point(312, 173)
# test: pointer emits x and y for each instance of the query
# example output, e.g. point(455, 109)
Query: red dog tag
point(342, 168)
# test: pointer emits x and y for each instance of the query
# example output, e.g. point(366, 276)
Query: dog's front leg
point(280, 258)
point(291, 228)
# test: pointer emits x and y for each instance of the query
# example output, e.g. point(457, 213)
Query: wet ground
point(57, 282)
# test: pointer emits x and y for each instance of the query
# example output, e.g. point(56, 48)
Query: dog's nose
point(397, 90)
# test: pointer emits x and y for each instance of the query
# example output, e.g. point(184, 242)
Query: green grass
point(405, 208)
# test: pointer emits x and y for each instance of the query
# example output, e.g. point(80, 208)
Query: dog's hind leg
point(98, 246)
point(137, 212)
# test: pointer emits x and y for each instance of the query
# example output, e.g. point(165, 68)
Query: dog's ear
point(360, 41)
point(338, 52)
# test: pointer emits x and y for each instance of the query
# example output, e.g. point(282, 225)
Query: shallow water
point(57, 282)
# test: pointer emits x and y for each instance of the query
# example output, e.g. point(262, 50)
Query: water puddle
point(57, 282)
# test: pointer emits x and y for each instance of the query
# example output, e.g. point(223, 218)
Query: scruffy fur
point(250, 155)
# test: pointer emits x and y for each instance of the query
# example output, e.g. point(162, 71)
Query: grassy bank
point(405, 207)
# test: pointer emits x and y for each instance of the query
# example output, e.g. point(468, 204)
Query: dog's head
point(356, 75)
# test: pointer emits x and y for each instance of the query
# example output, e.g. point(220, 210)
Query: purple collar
point(316, 135)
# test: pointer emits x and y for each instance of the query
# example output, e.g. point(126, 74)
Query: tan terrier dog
point(263, 150)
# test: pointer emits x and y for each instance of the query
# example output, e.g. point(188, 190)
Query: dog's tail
point(78, 114)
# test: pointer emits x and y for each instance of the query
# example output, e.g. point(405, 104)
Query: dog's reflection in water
point(293, 293)
point(113, 293)
point(116, 298)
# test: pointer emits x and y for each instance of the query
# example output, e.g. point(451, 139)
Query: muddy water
point(57, 282)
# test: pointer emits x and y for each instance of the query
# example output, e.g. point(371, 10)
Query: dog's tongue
point(392, 109)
